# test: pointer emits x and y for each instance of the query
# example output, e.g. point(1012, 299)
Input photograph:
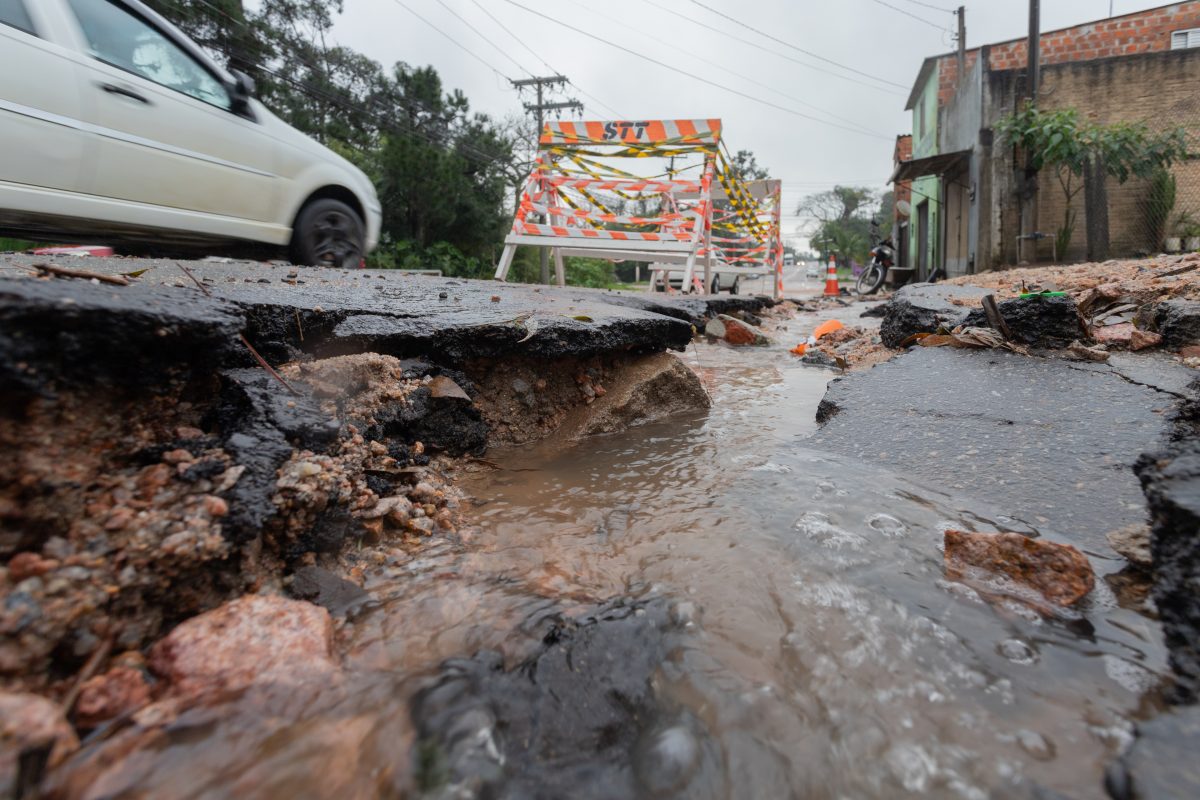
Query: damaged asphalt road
point(1050, 442)
point(328, 312)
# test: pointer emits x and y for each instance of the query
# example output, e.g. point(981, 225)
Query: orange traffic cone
point(831, 282)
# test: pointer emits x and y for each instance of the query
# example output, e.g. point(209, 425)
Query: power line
point(521, 42)
point(484, 159)
point(930, 5)
point(758, 46)
point(314, 93)
point(808, 53)
point(497, 47)
point(453, 41)
point(748, 78)
point(665, 65)
point(899, 10)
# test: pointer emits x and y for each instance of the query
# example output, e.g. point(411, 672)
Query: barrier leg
point(506, 259)
point(689, 272)
point(560, 270)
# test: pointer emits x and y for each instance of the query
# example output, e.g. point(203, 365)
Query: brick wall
point(903, 189)
point(1146, 31)
point(1162, 89)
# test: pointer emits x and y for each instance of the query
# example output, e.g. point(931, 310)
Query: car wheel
point(716, 285)
point(328, 233)
point(735, 289)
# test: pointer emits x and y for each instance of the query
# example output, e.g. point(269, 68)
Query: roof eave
point(926, 68)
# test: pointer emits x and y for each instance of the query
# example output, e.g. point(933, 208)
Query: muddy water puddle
point(698, 608)
point(823, 653)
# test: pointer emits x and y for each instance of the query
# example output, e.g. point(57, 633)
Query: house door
point(923, 240)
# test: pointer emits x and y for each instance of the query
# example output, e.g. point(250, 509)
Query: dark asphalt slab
point(1047, 441)
point(338, 311)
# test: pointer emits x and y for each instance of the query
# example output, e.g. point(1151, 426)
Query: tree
point(840, 204)
point(745, 165)
point(840, 222)
point(1057, 140)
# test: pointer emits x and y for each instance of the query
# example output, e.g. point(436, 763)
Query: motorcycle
point(883, 256)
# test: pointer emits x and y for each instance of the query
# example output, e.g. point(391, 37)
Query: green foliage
point(443, 173)
point(745, 165)
point(841, 222)
point(1186, 225)
point(15, 245)
point(1158, 203)
point(1057, 140)
point(443, 256)
point(595, 273)
point(842, 242)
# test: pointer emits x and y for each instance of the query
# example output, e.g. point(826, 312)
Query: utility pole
point(539, 109)
point(1033, 74)
point(1034, 54)
point(961, 13)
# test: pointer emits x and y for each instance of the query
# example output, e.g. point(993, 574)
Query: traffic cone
point(831, 282)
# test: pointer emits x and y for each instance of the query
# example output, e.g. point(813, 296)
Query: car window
point(121, 38)
point(13, 12)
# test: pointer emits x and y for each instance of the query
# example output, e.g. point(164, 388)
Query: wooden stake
point(993, 314)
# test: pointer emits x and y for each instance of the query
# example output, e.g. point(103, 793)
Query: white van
point(114, 126)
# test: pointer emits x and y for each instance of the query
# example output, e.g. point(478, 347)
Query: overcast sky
point(882, 47)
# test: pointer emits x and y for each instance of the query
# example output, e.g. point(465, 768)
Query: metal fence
point(1162, 214)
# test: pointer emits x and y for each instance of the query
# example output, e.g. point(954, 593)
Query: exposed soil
point(1159, 278)
point(124, 514)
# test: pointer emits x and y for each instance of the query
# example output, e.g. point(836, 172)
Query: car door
point(41, 141)
point(168, 132)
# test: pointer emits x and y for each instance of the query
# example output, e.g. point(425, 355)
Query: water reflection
point(830, 657)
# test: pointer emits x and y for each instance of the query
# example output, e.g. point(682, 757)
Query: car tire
point(715, 288)
point(328, 233)
point(735, 289)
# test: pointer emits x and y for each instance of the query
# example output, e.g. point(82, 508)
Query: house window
point(1182, 40)
point(921, 114)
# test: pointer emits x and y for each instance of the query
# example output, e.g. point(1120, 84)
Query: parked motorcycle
point(883, 256)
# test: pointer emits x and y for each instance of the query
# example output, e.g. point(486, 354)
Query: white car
point(115, 126)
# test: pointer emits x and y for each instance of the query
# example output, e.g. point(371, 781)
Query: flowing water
point(822, 653)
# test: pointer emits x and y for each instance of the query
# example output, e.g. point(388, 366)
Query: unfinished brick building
point(1140, 67)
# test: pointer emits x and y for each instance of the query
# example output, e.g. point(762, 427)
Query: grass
point(14, 245)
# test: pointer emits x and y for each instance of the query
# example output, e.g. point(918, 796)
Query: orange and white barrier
point(644, 132)
point(575, 204)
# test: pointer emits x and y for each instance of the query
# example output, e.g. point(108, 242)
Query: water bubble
point(887, 525)
point(959, 589)
point(1129, 675)
point(684, 613)
point(1036, 745)
point(1017, 651)
point(820, 528)
point(912, 765)
point(666, 763)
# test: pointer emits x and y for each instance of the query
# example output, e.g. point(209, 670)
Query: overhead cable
point(808, 53)
point(675, 69)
